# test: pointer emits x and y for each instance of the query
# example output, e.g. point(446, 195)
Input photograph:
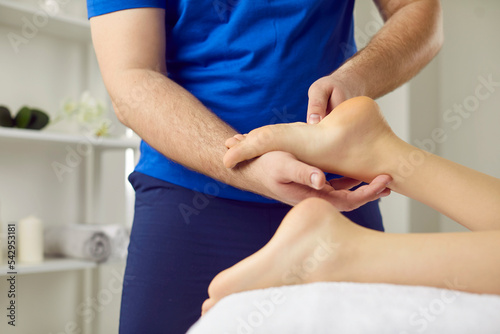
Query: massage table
point(319, 308)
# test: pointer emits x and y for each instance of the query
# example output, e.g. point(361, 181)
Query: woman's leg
point(316, 243)
point(354, 140)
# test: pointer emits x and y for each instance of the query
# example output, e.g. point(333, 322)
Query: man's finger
point(301, 173)
point(348, 200)
point(370, 192)
point(344, 183)
point(318, 103)
point(380, 182)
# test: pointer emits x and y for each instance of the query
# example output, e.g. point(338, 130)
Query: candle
point(30, 239)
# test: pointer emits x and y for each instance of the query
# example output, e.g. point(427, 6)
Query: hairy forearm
point(176, 124)
point(411, 37)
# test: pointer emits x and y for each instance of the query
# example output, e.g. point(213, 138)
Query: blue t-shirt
point(251, 62)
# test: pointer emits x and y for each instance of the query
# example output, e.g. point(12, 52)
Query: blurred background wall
point(443, 103)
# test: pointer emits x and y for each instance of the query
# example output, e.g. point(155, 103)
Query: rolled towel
point(97, 243)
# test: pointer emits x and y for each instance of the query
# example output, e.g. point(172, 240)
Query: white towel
point(88, 242)
point(324, 308)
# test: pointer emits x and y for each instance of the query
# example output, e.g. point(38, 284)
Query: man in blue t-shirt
point(186, 75)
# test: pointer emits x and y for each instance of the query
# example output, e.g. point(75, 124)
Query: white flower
point(103, 129)
point(88, 112)
point(69, 107)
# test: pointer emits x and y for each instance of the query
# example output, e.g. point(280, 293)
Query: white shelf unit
point(48, 265)
point(95, 146)
point(60, 25)
point(39, 136)
point(67, 31)
point(46, 136)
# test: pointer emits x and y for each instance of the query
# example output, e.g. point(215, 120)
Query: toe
point(231, 142)
point(234, 140)
point(207, 305)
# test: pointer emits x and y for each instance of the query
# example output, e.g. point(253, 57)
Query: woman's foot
point(352, 141)
point(313, 243)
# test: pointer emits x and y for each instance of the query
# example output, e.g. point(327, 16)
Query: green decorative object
point(26, 118)
point(38, 120)
point(23, 117)
point(5, 117)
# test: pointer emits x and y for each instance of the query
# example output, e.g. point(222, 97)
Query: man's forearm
point(176, 124)
point(410, 38)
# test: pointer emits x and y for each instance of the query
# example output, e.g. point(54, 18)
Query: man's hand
point(325, 94)
point(353, 140)
point(290, 181)
point(411, 36)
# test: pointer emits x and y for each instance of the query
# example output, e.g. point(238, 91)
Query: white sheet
point(352, 308)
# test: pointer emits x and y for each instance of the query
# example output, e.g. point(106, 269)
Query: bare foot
point(352, 141)
point(312, 244)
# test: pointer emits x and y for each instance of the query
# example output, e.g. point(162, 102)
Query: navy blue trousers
point(181, 239)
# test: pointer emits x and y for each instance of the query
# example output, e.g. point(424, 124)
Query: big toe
point(207, 305)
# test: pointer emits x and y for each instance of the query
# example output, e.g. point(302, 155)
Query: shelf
point(46, 136)
point(12, 13)
point(49, 265)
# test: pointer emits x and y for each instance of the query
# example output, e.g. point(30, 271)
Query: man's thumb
point(302, 173)
point(318, 102)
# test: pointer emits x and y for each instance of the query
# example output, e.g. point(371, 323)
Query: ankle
point(399, 160)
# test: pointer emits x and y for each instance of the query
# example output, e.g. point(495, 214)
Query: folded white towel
point(324, 308)
point(88, 242)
